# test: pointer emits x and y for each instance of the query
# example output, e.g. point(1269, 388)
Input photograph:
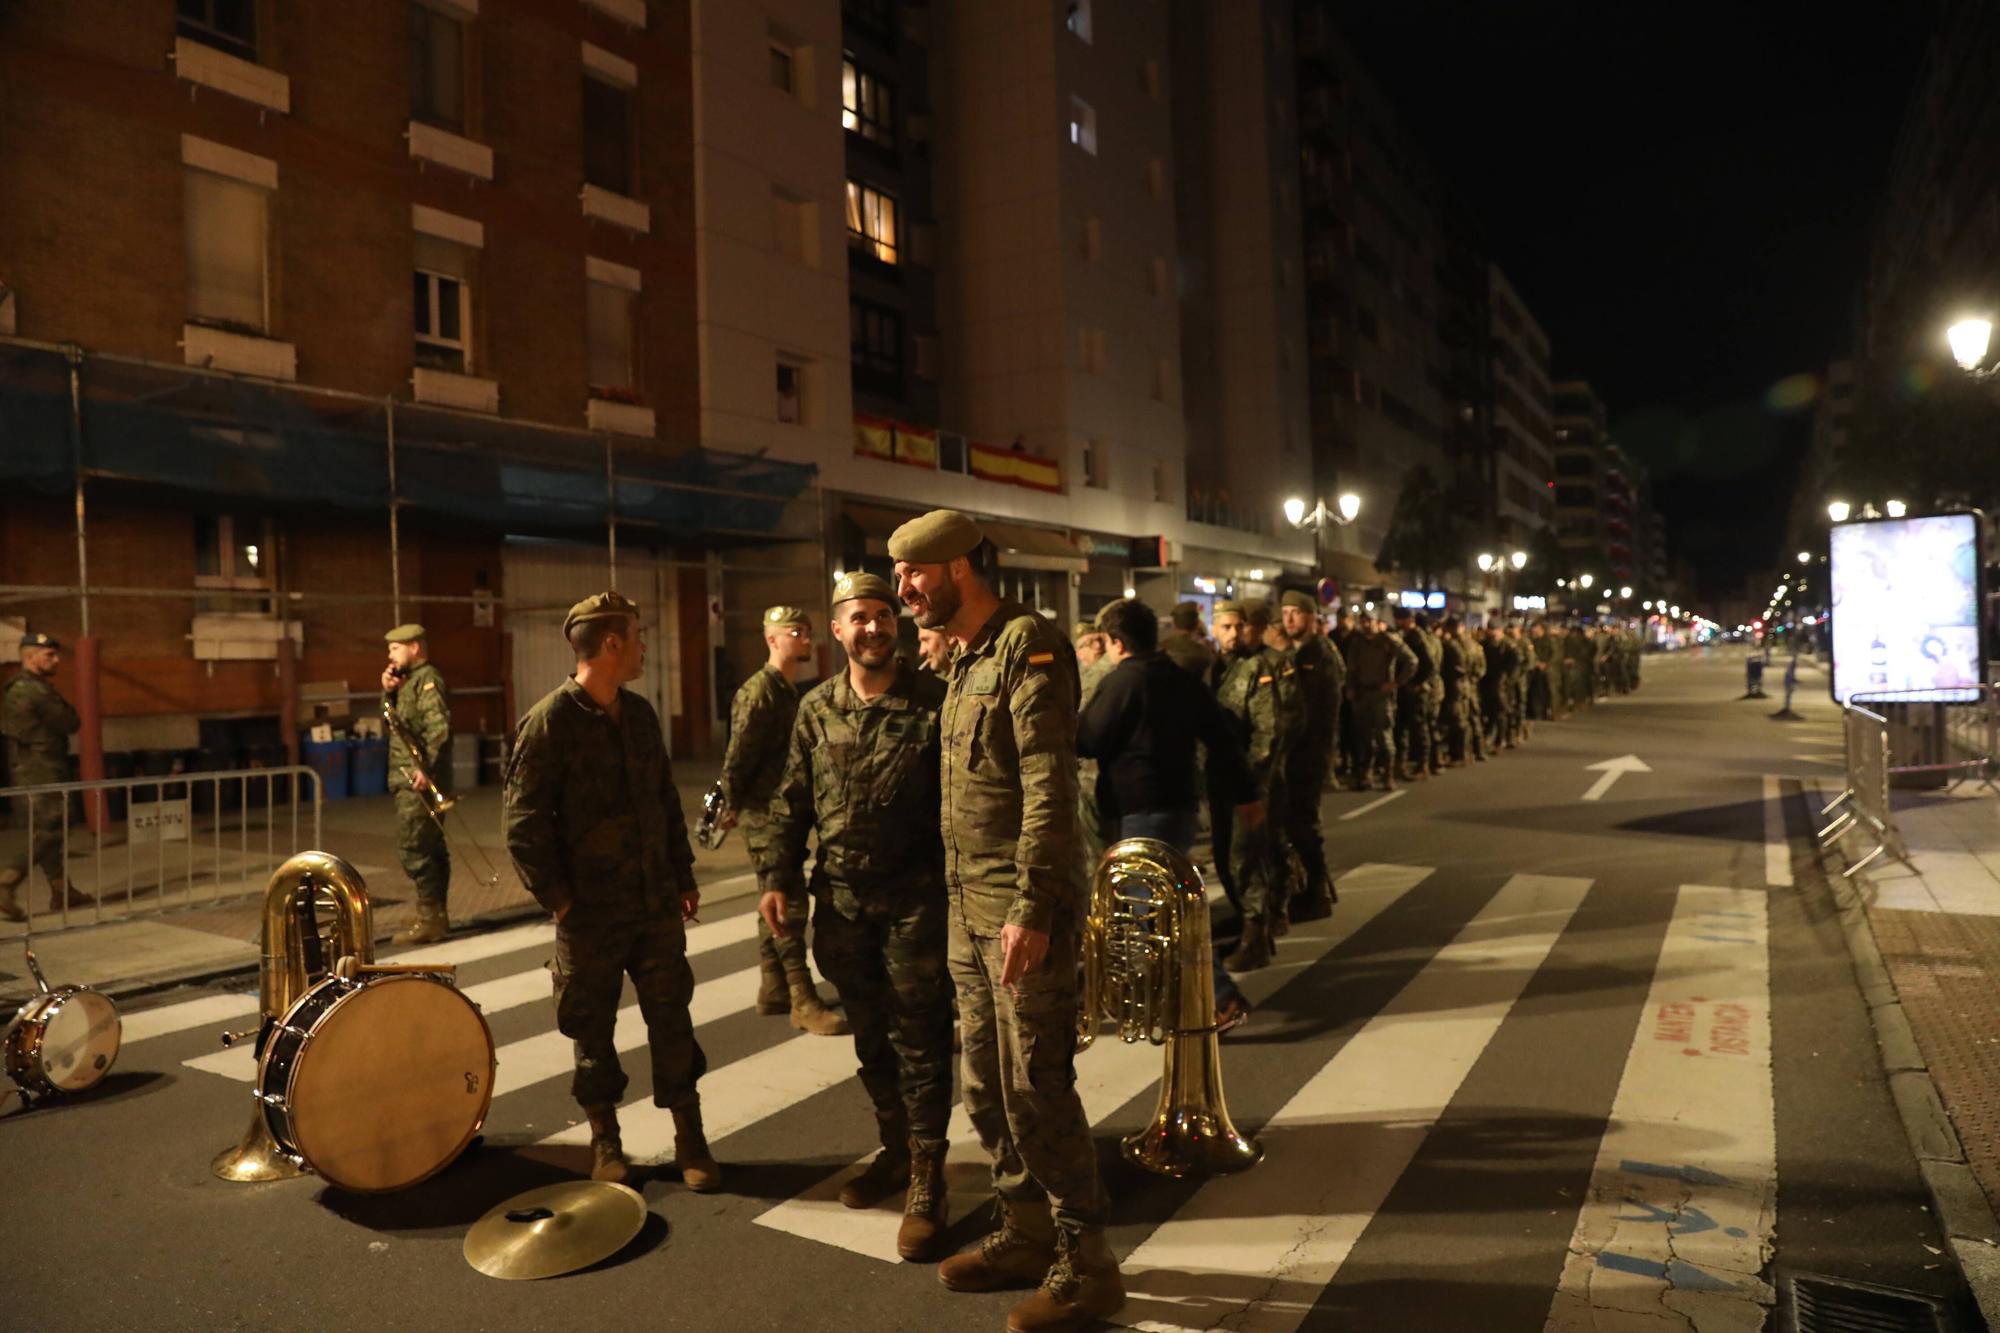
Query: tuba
point(1147, 969)
point(295, 956)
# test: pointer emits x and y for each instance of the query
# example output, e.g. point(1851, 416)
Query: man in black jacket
point(1141, 726)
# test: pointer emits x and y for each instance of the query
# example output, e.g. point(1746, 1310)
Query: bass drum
point(379, 1082)
point(64, 1040)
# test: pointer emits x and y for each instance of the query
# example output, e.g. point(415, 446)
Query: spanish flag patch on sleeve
point(1041, 659)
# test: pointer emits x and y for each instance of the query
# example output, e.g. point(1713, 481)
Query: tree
point(1430, 529)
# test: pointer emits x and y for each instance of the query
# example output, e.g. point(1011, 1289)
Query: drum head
point(392, 1084)
point(80, 1041)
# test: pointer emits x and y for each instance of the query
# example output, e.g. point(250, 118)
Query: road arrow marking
point(1613, 769)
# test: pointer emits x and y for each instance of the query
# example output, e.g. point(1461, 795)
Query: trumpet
point(436, 804)
point(1147, 970)
point(709, 831)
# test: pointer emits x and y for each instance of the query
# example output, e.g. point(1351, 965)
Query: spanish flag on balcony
point(874, 437)
point(916, 445)
point(1021, 469)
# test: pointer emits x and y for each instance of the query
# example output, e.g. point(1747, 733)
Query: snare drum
point(63, 1040)
point(377, 1082)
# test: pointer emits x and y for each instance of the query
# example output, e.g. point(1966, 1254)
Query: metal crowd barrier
point(1866, 797)
point(1958, 738)
point(234, 827)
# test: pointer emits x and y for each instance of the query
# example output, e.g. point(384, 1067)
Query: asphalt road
point(1555, 1062)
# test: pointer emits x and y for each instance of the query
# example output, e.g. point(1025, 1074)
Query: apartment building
point(1521, 473)
point(1577, 418)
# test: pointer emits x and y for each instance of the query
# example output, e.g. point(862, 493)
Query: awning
point(1021, 547)
point(876, 523)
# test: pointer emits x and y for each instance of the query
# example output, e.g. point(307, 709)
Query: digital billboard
point(1906, 601)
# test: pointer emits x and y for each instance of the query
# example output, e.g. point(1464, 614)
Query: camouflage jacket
point(421, 703)
point(1546, 650)
point(1011, 849)
point(37, 722)
point(1188, 653)
point(863, 775)
point(590, 812)
point(1378, 661)
point(1418, 642)
point(1501, 660)
point(1452, 669)
point(760, 724)
point(1320, 676)
point(1475, 660)
point(1260, 693)
point(1523, 658)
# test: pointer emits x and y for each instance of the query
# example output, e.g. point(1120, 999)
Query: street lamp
point(1646, 606)
point(1486, 562)
point(1585, 580)
point(1347, 509)
point(1625, 593)
point(1519, 559)
point(1969, 339)
point(1895, 508)
point(1838, 511)
point(1805, 557)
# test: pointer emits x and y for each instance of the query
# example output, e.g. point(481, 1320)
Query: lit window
point(1083, 125)
point(226, 238)
point(867, 105)
point(871, 222)
point(442, 295)
point(1078, 21)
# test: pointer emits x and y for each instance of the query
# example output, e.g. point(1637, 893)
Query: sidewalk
point(146, 953)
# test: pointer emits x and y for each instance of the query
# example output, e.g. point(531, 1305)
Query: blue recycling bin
point(329, 760)
point(368, 766)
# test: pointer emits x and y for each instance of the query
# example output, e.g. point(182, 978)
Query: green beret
point(602, 606)
point(775, 616)
point(409, 633)
point(1186, 615)
point(39, 640)
point(1302, 600)
point(1257, 611)
point(861, 584)
point(936, 538)
point(1232, 607)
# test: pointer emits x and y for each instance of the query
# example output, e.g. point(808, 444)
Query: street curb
point(1961, 1206)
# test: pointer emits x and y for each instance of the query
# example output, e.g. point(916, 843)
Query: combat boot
point(923, 1207)
point(607, 1153)
point(773, 996)
point(10, 907)
point(61, 895)
point(433, 923)
point(1254, 950)
point(1280, 923)
point(1082, 1287)
point(1017, 1255)
point(1315, 904)
point(699, 1171)
point(889, 1173)
point(810, 1014)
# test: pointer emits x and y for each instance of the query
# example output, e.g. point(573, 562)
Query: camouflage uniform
point(1319, 676)
point(1475, 674)
point(37, 722)
point(1010, 844)
point(421, 703)
point(1517, 681)
point(594, 824)
point(1434, 700)
point(760, 725)
point(1452, 672)
point(863, 775)
point(1542, 676)
point(1257, 690)
point(1184, 650)
point(1579, 666)
point(1413, 711)
point(1377, 665)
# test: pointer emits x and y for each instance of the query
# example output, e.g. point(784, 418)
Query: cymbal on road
point(555, 1229)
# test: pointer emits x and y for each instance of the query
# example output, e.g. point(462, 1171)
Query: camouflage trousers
point(788, 955)
point(1412, 728)
point(1018, 1075)
point(1541, 701)
point(890, 970)
point(1259, 868)
point(590, 967)
point(1305, 781)
point(420, 846)
point(1458, 726)
point(1374, 715)
point(37, 836)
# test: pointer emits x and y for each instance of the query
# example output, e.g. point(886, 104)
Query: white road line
point(1254, 1251)
point(1108, 1075)
point(1777, 848)
point(1678, 1220)
point(1381, 800)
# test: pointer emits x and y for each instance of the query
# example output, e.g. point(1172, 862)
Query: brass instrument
point(709, 832)
point(1148, 969)
point(436, 804)
point(295, 956)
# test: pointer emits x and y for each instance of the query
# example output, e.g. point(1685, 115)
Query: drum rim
point(289, 1140)
point(28, 1033)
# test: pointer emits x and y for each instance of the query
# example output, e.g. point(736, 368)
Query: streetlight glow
point(1895, 508)
point(1969, 339)
point(1350, 505)
point(1485, 561)
point(1519, 559)
point(1838, 511)
point(1805, 557)
point(1647, 606)
point(1295, 511)
point(1585, 580)
point(1625, 593)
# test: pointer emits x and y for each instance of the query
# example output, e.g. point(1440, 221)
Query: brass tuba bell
point(1147, 969)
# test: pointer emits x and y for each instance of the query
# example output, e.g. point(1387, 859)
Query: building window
point(607, 135)
point(871, 222)
point(876, 335)
point(233, 553)
point(611, 318)
point(437, 68)
point(1094, 463)
point(443, 304)
point(1083, 125)
point(226, 25)
point(791, 393)
point(867, 105)
point(1078, 21)
point(227, 223)
point(781, 66)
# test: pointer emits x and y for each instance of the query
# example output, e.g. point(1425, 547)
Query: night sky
point(1683, 194)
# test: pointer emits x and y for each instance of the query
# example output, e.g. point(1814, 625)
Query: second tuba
point(1147, 963)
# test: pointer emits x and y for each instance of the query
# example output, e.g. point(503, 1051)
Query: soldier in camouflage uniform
point(1472, 643)
point(1452, 672)
point(1378, 665)
point(1579, 666)
point(760, 726)
point(1092, 666)
point(1017, 903)
point(1518, 680)
point(1257, 690)
point(414, 689)
point(38, 722)
point(1496, 689)
point(1542, 677)
point(862, 774)
point(594, 824)
point(1320, 675)
point(1413, 698)
point(1184, 645)
point(934, 649)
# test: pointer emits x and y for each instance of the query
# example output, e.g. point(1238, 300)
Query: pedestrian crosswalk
point(1680, 1205)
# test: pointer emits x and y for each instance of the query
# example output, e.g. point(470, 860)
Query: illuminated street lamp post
point(1347, 507)
point(1970, 339)
point(1838, 511)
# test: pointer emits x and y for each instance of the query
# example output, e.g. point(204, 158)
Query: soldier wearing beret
point(1184, 645)
point(1378, 664)
point(861, 773)
point(1321, 675)
point(1257, 688)
point(414, 689)
point(1016, 900)
point(760, 724)
point(38, 722)
point(595, 827)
